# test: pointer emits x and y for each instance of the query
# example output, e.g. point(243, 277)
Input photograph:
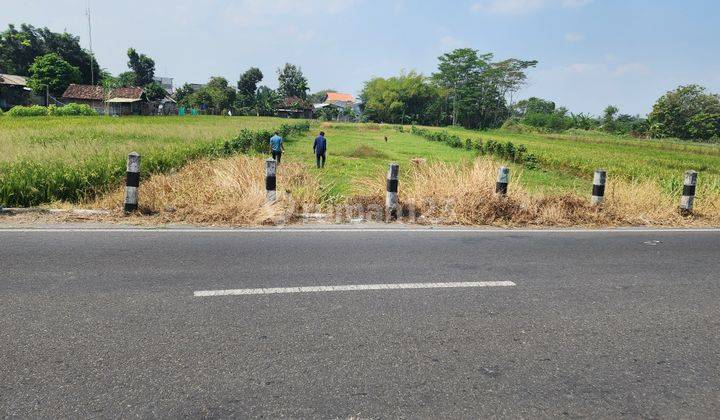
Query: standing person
point(276, 144)
point(320, 146)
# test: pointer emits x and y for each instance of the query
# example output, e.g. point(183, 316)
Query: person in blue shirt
point(276, 144)
point(320, 147)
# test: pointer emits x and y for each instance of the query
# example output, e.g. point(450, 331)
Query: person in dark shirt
point(320, 147)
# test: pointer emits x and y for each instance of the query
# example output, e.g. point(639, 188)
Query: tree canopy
point(686, 112)
point(401, 99)
point(247, 87)
point(51, 71)
point(143, 67)
point(215, 97)
point(292, 82)
point(20, 47)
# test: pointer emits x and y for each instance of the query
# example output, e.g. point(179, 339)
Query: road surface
point(121, 323)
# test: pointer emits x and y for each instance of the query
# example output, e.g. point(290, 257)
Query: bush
point(28, 111)
point(507, 150)
point(258, 141)
point(531, 161)
point(1, 112)
point(72, 110)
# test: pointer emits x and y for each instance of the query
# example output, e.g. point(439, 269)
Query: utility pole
point(92, 57)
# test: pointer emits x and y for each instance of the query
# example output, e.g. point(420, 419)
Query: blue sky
point(591, 53)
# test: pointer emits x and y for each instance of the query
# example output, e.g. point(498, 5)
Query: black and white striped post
point(501, 186)
point(270, 180)
point(598, 192)
point(688, 194)
point(132, 182)
point(391, 196)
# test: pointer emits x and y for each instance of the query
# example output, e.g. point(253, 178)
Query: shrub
point(258, 141)
point(72, 110)
point(1, 112)
point(531, 161)
point(507, 150)
point(479, 147)
point(28, 111)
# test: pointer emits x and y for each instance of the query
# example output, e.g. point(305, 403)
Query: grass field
point(87, 154)
point(51, 158)
point(578, 154)
point(567, 161)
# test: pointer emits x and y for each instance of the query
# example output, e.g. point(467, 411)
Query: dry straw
point(231, 191)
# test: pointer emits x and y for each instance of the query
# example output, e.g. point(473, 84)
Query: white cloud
point(519, 7)
point(581, 67)
point(631, 69)
point(573, 37)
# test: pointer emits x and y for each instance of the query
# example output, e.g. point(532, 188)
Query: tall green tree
point(20, 47)
point(477, 88)
point(143, 67)
point(215, 97)
point(292, 82)
point(182, 94)
point(51, 71)
point(401, 99)
point(608, 118)
point(127, 79)
point(677, 113)
point(457, 71)
point(247, 87)
point(266, 101)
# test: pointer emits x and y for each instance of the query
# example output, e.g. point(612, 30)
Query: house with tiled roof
point(337, 106)
point(118, 101)
point(13, 91)
point(294, 107)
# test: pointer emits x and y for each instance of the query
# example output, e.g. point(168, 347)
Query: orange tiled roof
point(339, 97)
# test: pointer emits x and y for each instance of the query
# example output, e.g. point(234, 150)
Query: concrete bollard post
point(132, 182)
point(391, 196)
point(688, 194)
point(501, 186)
point(270, 180)
point(598, 192)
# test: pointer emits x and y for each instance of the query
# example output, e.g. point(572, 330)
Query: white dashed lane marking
point(351, 288)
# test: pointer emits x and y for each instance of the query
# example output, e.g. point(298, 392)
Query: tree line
point(469, 89)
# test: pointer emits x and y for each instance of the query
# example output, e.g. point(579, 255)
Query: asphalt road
point(598, 324)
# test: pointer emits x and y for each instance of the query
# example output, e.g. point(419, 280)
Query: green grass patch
point(45, 159)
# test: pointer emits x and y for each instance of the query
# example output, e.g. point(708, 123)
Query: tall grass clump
point(442, 193)
point(228, 191)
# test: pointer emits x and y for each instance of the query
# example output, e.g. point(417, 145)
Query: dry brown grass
point(452, 194)
point(225, 191)
point(231, 192)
